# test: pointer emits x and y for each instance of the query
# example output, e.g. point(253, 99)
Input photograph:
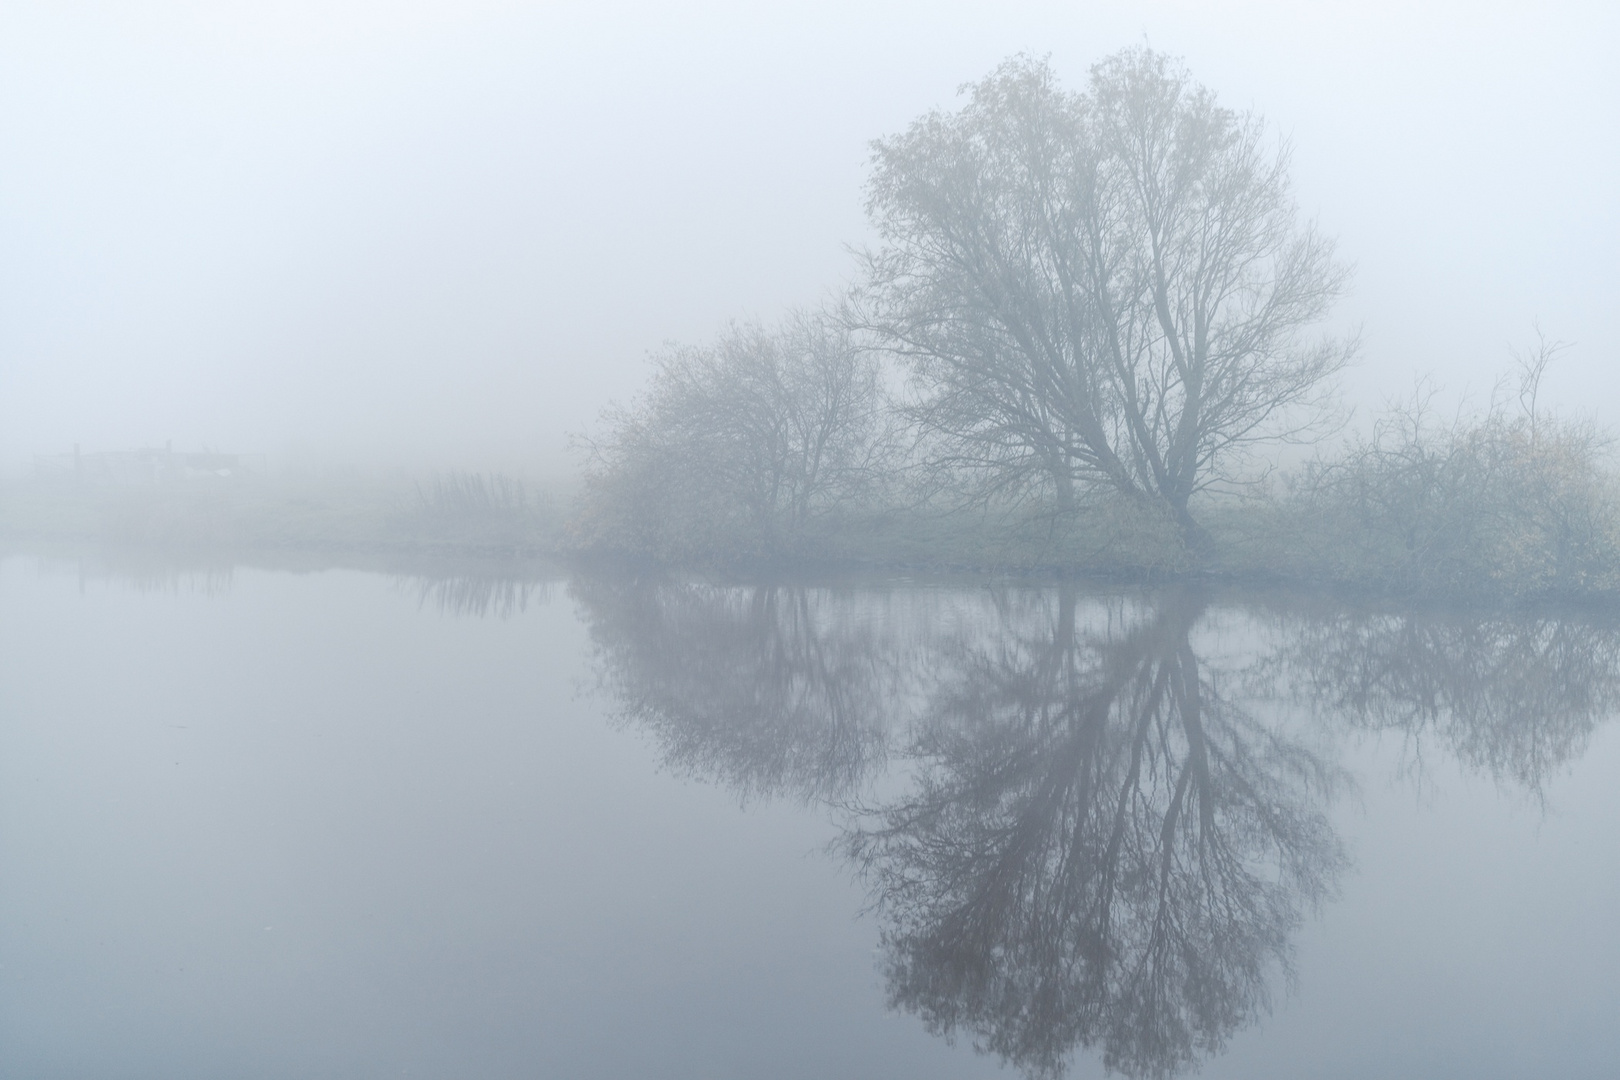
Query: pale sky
point(447, 234)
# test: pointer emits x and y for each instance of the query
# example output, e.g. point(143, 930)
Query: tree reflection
point(769, 689)
point(1092, 845)
point(1513, 695)
point(1100, 850)
point(1089, 837)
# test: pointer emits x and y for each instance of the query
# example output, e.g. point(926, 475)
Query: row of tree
point(1085, 309)
point(1085, 291)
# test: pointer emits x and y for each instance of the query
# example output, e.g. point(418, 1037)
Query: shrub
point(740, 448)
point(1507, 504)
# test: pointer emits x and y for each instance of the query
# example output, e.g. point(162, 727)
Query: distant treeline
point(1083, 333)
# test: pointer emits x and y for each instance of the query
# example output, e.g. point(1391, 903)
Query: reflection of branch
point(770, 690)
point(1513, 696)
point(476, 595)
point(1099, 851)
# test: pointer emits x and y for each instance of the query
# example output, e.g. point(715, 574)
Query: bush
point(1517, 505)
point(745, 447)
point(479, 509)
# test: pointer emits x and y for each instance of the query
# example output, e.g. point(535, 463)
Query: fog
point(358, 717)
point(447, 234)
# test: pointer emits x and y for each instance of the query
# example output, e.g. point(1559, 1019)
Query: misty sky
point(446, 234)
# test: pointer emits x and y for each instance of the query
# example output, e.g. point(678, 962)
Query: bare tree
point(740, 444)
point(1099, 289)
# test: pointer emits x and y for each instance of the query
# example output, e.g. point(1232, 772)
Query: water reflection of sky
point(466, 823)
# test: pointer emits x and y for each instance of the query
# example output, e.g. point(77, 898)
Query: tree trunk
point(1063, 481)
point(1200, 544)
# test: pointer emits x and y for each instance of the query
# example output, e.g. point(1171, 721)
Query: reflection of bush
point(480, 594)
point(1514, 696)
point(1099, 851)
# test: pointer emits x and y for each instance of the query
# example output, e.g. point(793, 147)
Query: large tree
point(1099, 289)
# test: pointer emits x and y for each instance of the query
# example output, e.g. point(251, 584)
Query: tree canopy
point(739, 445)
point(1105, 288)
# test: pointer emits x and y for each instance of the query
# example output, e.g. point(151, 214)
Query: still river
point(260, 822)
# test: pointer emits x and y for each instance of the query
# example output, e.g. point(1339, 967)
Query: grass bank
point(463, 514)
point(1496, 508)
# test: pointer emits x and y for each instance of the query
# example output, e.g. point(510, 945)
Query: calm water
point(343, 824)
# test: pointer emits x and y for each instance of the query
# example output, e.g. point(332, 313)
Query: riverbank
point(459, 515)
point(470, 533)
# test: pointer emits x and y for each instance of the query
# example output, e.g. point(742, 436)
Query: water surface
point(496, 823)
